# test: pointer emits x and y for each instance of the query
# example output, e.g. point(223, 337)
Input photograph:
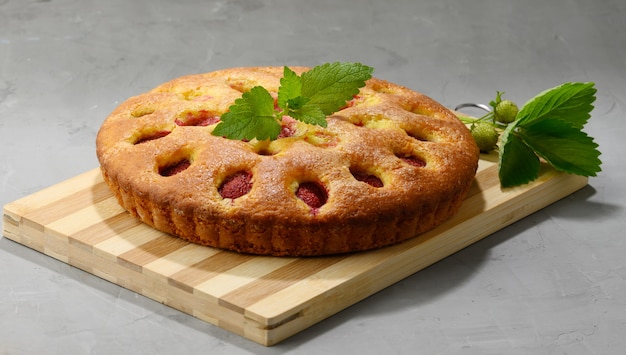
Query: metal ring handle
point(469, 104)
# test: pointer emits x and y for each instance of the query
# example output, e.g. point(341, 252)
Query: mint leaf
point(251, 116)
point(330, 86)
point(308, 98)
point(290, 88)
point(518, 164)
point(311, 114)
point(571, 102)
point(296, 103)
point(565, 147)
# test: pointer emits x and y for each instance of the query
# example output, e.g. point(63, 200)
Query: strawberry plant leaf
point(517, 164)
point(565, 147)
point(549, 127)
point(571, 102)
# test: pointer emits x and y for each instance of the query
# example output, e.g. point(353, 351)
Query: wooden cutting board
point(265, 299)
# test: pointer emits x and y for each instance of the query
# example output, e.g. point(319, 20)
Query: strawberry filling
point(174, 169)
point(414, 161)
point(236, 185)
point(203, 98)
point(275, 97)
point(287, 128)
point(200, 118)
point(153, 136)
point(367, 178)
point(352, 102)
point(312, 194)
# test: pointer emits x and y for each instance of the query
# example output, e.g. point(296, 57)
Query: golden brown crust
point(387, 131)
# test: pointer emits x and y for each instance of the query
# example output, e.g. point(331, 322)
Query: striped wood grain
point(265, 299)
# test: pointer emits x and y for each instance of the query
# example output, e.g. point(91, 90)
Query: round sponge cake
point(390, 165)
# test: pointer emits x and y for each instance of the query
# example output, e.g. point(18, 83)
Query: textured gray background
point(553, 283)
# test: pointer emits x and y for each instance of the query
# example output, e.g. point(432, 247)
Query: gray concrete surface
point(553, 283)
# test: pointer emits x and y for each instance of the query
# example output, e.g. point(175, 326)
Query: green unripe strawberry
point(485, 135)
point(505, 111)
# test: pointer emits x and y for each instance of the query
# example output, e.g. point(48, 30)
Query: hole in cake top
point(373, 120)
point(142, 111)
point(236, 185)
point(412, 160)
point(197, 118)
point(383, 88)
point(265, 147)
point(173, 169)
point(150, 136)
point(321, 138)
point(424, 110)
point(366, 177)
point(196, 95)
point(266, 152)
point(312, 193)
point(420, 136)
point(240, 84)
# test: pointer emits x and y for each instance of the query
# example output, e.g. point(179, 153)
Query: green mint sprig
point(549, 126)
point(309, 98)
